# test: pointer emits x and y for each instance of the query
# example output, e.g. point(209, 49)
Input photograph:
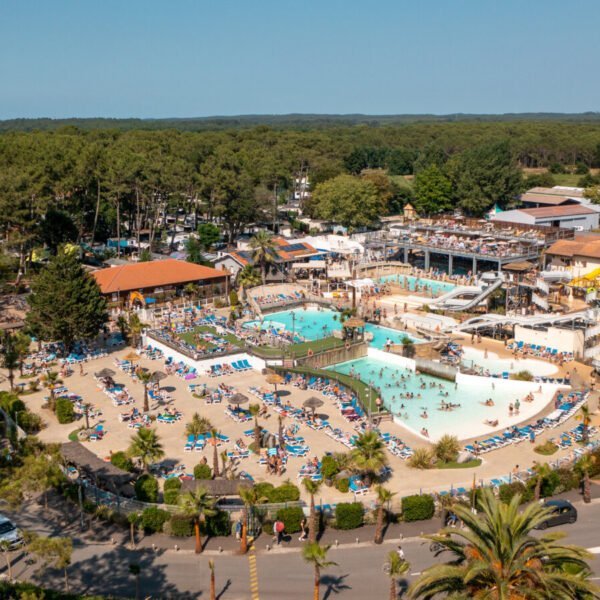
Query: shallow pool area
point(427, 287)
point(417, 400)
point(316, 323)
point(473, 357)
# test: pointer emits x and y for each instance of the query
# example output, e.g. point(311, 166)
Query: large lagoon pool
point(429, 287)
point(314, 324)
point(465, 421)
point(473, 357)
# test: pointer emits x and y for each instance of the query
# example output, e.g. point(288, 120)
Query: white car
point(9, 533)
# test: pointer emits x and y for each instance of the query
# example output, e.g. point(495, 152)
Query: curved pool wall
point(385, 371)
point(496, 365)
point(429, 287)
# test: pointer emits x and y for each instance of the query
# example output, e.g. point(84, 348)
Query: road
point(104, 568)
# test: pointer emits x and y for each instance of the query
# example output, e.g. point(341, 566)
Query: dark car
point(562, 512)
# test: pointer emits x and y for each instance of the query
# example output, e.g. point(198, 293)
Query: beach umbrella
point(132, 357)
point(313, 403)
point(274, 379)
point(158, 376)
point(105, 373)
point(238, 399)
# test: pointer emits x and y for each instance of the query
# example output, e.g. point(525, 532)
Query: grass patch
point(189, 337)
point(471, 464)
point(567, 179)
point(546, 449)
point(299, 350)
point(73, 436)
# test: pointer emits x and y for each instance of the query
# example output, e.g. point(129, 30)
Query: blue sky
point(186, 58)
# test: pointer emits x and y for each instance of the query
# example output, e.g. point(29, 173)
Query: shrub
point(291, 518)
point(264, 489)
point(287, 492)
point(65, 413)
point(30, 422)
point(329, 467)
point(422, 458)
point(121, 460)
point(171, 496)
point(447, 448)
point(508, 490)
point(202, 471)
point(173, 483)
point(417, 508)
point(218, 525)
point(567, 480)
point(153, 519)
point(146, 488)
point(522, 376)
point(181, 525)
point(547, 448)
point(342, 485)
point(233, 298)
point(349, 515)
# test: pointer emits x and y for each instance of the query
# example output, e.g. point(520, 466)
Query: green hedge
point(146, 488)
point(349, 515)
point(507, 491)
point(28, 590)
point(291, 518)
point(417, 508)
point(342, 485)
point(122, 461)
point(286, 492)
point(329, 467)
point(202, 471)
point(218, 525)
point(171, 490)
point(65, 412)
point(153, 519)
point(181, 526)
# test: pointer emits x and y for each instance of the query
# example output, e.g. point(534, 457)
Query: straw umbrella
point(158, 376)
point(132, 357)
point(274, 379)
point(238, 399)
point(104, 373)
point(313, 403)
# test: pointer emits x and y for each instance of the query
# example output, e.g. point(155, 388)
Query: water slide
point(478, 293)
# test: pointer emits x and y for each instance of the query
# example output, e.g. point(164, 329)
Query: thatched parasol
point(274, 379)
point(238, 399)
point(158, 376)
point(132, 357)
point(313, 403)
point(354, 323)
point(105, 373)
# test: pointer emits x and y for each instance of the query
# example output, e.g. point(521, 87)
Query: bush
point(122, 461)
point(264, 489)
point(422, 458)
point(218, 525)
point(522, 376)
point(417, 508)
point(65, 413)
point(447, 448)
point(146, 488)
point(181, 526)
point(287, 492)
point(233, 298)
point(202, 471)
point(171, 496)
point(329, 467)
point(349, 515)
point(342, 485)
point(173, 483)
point(153, 519)
point(567, 480)
point(30, 422)
point(546, 449)
point(508, 490)
point(291, 518)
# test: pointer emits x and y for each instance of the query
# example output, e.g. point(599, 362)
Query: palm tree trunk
point(66, 581)
point(198, 548)
point(8, 564)
point(587, 491)
point(215, 459)
point(393, 592)
point(312, 526)
point(379, 529)
point(213, 594)
point(317, 581)
point(244, 536)
point(132, 534)
point(256, 435)
point(146, 403)
point(11, 379)
point(538, 488)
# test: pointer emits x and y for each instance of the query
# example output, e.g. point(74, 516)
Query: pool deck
point(403, 480)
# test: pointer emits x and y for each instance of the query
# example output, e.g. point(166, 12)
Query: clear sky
point(187, 58)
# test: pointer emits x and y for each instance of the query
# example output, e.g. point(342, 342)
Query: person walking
point(278, 529)
point(303, 530)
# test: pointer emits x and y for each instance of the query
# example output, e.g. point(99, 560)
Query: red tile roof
point(158, 273)
point(557, 211)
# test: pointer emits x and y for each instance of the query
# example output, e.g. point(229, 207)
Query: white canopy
point(361, 283)
point(313, 264)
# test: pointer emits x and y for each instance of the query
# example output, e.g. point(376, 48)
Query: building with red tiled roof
point(159, 277)
point(579, 256)
point(577, 216)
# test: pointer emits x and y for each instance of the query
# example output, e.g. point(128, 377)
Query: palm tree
point(368, 455)
point(134, 570)
point(408, 347)
point(254, 409)
point(50, 380)
point(248, 277)
point(134, 519)
point(495, 556)
point(586, 420)
point(146, 446)
point(145, 377)
point(312, 487)
point(250, 498)
point(198, 505)
point(135, 328)
point(541, 470)
point(397, 568)
point(198, 426)
point(10, 359)
point(214, 438)
point(262, 246)
point(383, 497)
point(224, 461)
point(315, 554)
point(6, 550)
point(583, 466)
point(213, 591)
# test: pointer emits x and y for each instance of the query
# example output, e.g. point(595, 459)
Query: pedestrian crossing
point(253, 569)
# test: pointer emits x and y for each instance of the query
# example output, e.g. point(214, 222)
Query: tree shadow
point(402, 586)
point(334, 584)
point(225, 588)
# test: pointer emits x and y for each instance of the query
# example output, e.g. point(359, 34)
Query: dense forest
point(71, 183)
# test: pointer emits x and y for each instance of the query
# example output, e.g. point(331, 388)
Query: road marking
point(253, 570)
point(595, 550)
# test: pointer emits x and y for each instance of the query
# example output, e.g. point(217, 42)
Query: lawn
point(189, 338)
point(471, 464)
point(300, 350)
point(566, 179)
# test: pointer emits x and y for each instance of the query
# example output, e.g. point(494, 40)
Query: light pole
point(293, 335)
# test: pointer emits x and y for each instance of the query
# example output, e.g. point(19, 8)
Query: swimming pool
point(470, 393)
point(314, 324)
point(496, 365)
point(429, 287)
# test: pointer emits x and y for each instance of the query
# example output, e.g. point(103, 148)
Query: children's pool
point(429, 287)
point(314, 324)
point(427, 393)
point(496, 365)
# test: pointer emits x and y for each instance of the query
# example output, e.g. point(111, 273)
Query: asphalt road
point(104, 568)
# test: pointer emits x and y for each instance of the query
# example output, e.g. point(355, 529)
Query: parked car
point(9, 533)
point(562, 512)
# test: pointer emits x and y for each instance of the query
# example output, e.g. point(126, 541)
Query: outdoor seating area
point(539, 351)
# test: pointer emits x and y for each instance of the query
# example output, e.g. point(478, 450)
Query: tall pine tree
point(66, 303)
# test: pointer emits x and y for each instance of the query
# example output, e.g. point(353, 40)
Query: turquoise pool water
point(428, 393)
point(429, 287)
point(314, 324)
